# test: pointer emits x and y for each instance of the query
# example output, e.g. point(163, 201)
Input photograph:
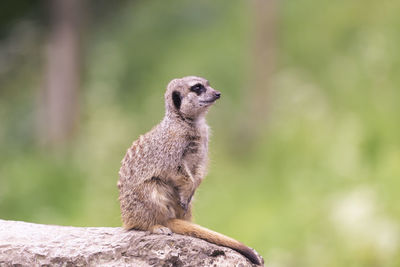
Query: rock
point(29, 244)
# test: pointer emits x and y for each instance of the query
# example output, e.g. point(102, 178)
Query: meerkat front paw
point(160, 230)
point(184, 203)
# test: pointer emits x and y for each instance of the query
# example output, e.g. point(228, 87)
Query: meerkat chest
point(195, 154)
point(195, 150)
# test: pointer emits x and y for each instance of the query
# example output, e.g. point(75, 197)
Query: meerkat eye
point(198, 88)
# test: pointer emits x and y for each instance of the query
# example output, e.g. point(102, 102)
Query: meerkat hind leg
point(160, 229)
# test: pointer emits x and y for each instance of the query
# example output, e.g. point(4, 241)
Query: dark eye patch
point(198, 88)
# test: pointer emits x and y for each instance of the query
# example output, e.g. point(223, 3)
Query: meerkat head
point(190, 96)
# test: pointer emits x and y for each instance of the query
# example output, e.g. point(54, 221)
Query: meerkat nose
point(217, 94)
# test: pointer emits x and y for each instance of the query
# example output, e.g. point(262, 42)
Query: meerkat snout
point(215, 95)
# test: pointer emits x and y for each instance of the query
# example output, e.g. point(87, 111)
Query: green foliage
point(318, 187)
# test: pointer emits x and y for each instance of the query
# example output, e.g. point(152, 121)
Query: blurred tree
point(263, 54)
point(12, 11)
point(60, 102)
point(264, 51)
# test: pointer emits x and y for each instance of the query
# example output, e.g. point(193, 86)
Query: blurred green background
point(305, 150)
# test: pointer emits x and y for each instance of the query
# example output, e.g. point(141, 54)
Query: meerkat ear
point(176, 98)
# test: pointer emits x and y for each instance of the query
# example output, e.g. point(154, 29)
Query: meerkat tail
point(183, 227)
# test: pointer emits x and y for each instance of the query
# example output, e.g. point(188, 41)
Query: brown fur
point(162, 169)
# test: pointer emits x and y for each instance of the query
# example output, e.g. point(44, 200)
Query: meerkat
point(162, 169)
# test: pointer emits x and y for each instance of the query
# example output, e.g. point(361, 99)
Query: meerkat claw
point(184, 205)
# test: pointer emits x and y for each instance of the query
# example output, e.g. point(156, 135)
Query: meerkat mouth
point(207, 101)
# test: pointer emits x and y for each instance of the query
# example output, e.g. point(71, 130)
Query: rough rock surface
point(28, 244)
